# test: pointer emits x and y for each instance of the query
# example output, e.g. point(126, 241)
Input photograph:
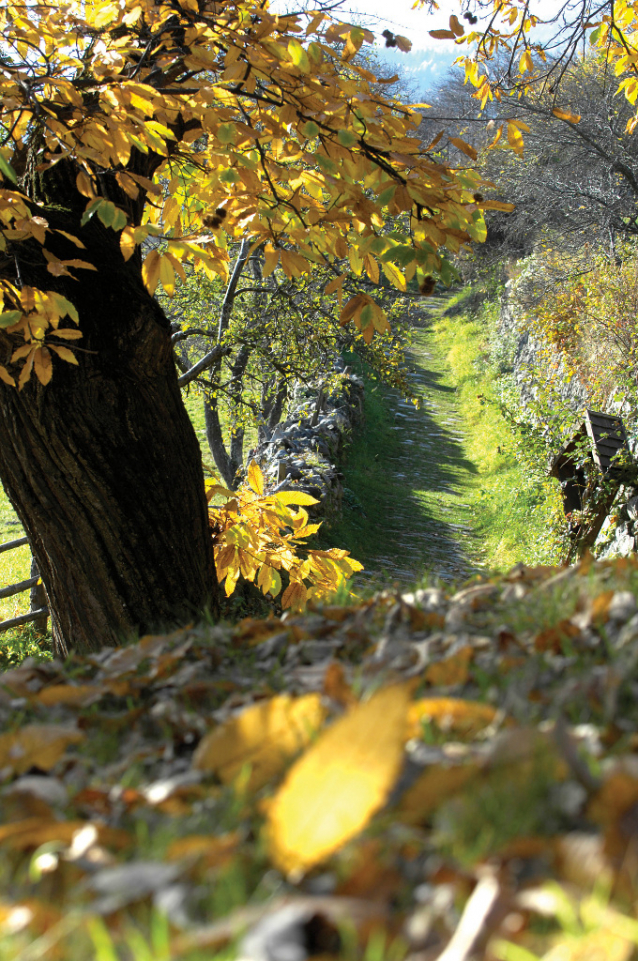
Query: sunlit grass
point(514, 511)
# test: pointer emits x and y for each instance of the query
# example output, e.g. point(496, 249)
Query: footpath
point(409, 473)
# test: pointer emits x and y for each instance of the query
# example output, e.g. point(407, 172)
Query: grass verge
point(514, 506)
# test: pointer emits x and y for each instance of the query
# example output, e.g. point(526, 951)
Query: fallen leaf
point(33, 832)
point(36, 745)
point(213, 851)
point(452, 670)
point(463, 717)
point(331, 793)
point(265, 735)
point(336, 687)
point(69, 694)
point(553, 638)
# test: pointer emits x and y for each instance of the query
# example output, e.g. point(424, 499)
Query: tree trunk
point(103, 466)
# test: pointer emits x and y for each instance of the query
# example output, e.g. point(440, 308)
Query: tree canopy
point(196, 122)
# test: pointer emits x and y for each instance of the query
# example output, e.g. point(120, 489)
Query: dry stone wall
point(303, 452)
point(619, 534)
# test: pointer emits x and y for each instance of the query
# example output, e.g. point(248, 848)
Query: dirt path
point(411, 489)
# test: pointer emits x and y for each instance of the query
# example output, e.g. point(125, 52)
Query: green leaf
point(402, 254)
point(386, 195)
point(226, 133)
point(120, 221)
point(448, 273)
point(66, 307)
point(347, 138)
point(326, 163)
point(106, 213)
point(367, 315)
point(310, 129)
point(7, 170)
point(298, 56)
point(229, 177)
point(10, 317)
point(90, 210)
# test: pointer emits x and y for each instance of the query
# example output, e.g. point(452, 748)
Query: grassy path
point(408, 479)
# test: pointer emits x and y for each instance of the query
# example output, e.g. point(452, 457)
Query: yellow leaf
point(566, 115)
point(265, 735)
point(67, 334)
point(341, 781)
point(84, 185)
point(256, 478)
point(64, 353)
point(515, 138)
point(151, 271)
point(42, 365)
point(271, 259)
point(167, 275)
point(526, 64)
point(466, 148)
point(69, 694)
point(394, 275)
point(36, 745)
point(6, 377)
point(452, 670)
point(128, 242)
point(295, 596)
point(462, 717)
point(296, 497)
point(264, 579)
point(372, 268)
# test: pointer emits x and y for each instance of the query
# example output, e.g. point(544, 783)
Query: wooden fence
point(39, 611)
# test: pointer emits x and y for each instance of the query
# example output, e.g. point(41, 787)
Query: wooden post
point(38, 599)
point(318, 408)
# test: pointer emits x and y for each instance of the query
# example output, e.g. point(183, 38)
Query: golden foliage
point(260, 535)
point(248, 125)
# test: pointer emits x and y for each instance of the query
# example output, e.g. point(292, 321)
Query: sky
point(428, 61)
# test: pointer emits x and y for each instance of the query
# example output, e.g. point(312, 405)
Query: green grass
point(194, 405)
point(368, 486)
point(514, 508)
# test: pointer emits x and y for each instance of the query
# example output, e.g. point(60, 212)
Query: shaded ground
point(407, 478)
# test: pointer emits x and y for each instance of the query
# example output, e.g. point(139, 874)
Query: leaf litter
point(426, 775)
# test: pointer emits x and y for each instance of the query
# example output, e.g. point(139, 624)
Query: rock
point(314, 447)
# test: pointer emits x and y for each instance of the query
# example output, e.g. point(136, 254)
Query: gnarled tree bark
point(102, 465)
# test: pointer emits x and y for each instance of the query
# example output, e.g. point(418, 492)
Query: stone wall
point(303, 452)
point(619, 534)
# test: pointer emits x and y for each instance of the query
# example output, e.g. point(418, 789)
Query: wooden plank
point(23, 619)
point(18, 588)
point(10, 545)
point(608, 437)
